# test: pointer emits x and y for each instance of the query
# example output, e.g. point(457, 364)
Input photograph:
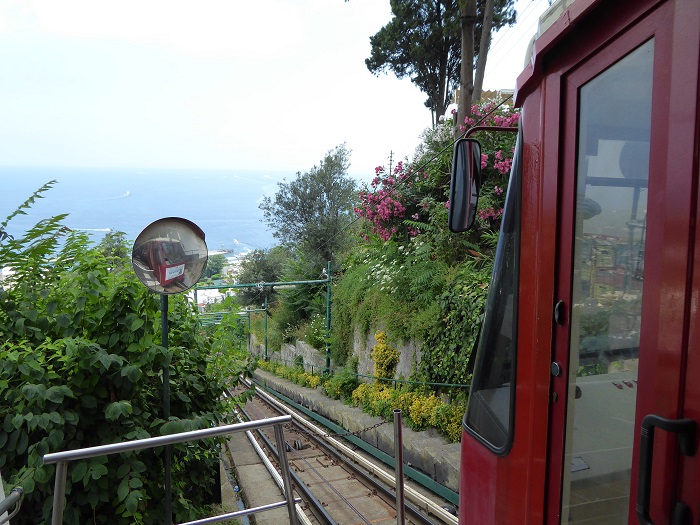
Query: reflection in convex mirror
point(169, 255)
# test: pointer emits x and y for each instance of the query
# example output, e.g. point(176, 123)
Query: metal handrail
point(61, 459)
point(13, 498)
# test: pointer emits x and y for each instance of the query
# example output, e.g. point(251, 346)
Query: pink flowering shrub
point(389, 201)
point(496, 158)
point(410, 199)
point(504, 116)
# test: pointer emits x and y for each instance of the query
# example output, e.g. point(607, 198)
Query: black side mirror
point(464, 184)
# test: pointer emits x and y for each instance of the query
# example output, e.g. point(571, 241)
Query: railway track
point(336, 485)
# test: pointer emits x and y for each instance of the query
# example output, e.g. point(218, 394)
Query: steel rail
point(388, 459)
point(411, 494)
point(268, 464)
point(384, 491)
point(367, 470)
point(317, 508)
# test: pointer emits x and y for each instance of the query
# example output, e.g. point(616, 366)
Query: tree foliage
point(423, 41)
point(81, 364)
point(215, 264)
point(114, 246)
point(313, 211)
point(261, 266)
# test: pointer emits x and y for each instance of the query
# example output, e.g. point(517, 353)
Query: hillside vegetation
point(81, 365)
point(404, 273)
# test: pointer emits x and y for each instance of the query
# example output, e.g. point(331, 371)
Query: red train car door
point(628, 349)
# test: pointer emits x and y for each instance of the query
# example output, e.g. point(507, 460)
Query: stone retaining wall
point(410, 355)
point(314, 360)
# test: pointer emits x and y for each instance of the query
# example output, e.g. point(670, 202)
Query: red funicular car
point(166, 258)
point(586, 391)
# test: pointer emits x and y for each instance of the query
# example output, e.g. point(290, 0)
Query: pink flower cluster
point(384, 206)
point(501, 164)
point(508, 119)
point(491, 213)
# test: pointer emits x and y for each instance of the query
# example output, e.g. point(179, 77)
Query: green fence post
point(328, 320)
point(265, 306)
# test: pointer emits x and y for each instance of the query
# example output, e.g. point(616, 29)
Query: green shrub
point(421, 411)
point(403, 401)
point(315, 332)
point(81, 365)
point(295, 375)
point(341, 384)
point(447, 418)
point(385, 358)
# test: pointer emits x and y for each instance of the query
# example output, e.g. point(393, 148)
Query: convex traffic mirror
point(169, 255)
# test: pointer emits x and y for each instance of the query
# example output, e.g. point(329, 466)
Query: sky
point(269, 85)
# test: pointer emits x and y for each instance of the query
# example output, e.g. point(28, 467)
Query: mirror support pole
point(149, 261)
point(166, 407)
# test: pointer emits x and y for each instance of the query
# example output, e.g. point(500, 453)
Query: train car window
point(173, 252)
point(490, 413)
point(612, 173)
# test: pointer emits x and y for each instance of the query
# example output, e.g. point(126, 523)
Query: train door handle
point(685, 435)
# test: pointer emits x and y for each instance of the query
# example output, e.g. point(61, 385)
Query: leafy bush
point(341, 384)
point(312, 380)
point(315, 332)
point(385, 357)
point(80, 365)
point(392, 285)
point(421, 411)
point(447, 418)
point(403, 399)
point(447, 351)
point(295, 374)
point(413, 277)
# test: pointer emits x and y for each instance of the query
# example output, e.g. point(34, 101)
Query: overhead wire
point(509, 31)
point(529, 30)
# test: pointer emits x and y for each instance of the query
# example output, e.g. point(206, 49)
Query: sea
point(223, 203)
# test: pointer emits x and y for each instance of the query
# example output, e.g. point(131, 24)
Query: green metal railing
point(327, 281)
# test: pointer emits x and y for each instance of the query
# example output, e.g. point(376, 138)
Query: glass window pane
point(608, 274)
point(490, 412)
